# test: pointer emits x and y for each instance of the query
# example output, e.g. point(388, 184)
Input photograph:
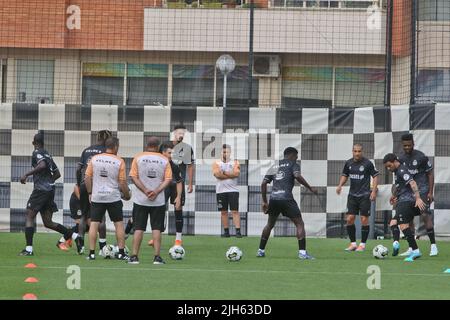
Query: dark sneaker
point(226, 235)
point(24, 252)
point(238, 235)
point(90, 257)
point(158, 260)
point(133, 260)
point(123, 256)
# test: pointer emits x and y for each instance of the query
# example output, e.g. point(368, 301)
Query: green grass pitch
point(206, 274)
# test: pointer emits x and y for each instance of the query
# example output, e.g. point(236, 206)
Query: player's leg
point(364, 210)
point(233, 200)
point(179, 218)
point(36, 203)
point(222, 206)
point(405, 213)
point(395, 235)
point(102, 234)
point(351, 231)
point(140, 217)
point(29, 232)
point(68, 234)
point(353, 209)
point(130, 226)
point(273, 212)
point(115, 211)
point(292, 211)
point(157, 217)
point(98, 211)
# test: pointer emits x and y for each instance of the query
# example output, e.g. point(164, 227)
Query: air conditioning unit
point(266, 65)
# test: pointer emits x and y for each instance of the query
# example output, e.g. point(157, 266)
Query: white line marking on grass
point(132, 268)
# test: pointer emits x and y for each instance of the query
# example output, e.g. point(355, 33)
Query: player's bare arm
point(430, 195)
point(342, 181)
point(41, 166)
point(302, 181)
point(419, 203)
point(373, 194)
point(265, 205)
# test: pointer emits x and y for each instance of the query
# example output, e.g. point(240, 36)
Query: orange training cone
point(29, 296)
point(31, 280)
point(30, 266)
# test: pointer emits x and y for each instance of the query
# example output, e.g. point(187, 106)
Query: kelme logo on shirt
point(415, 163)
point(361, 168)
point(39, 156)
point(406, 176)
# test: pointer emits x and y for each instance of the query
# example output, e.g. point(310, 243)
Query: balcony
point(334, 28)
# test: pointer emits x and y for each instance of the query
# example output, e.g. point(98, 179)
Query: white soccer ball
point(234, 254)
point(380, 252)
point(177, 252)
point(107, 251)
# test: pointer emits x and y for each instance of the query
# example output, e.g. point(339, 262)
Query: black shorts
point(287, 208)
point(115, 211)
point(74, 204)
point(358, 205)
point(171, 194)
point(85, 205)
point(405, 212)
point(157, 217)
point(228, 200)
point(42, 201)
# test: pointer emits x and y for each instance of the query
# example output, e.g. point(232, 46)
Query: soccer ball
point(108, 251)
point(177, 252)
point(233, 254)
point(380, 252)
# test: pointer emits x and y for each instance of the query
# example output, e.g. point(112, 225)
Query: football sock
point(178, 236)
point(364, 233)
point(302, 244)
point(128, 227)
point(101, 243)
point(395, 233)
point(29, 231)
point(179, 221)
point(410, 238)
point(75, 228)
point(226, 230)
point(351, 230)
point(430, 233)
point(262, 243)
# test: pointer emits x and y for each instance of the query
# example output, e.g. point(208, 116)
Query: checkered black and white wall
point(323, 136)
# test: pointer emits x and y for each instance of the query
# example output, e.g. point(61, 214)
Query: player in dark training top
point(420, 167)
point(85, 205)
point(408, 200)
point(359, 170)
point(283, 175)
point(183, 157)
point(45, 173)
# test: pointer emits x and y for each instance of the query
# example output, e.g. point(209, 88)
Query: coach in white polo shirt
point(227, 172)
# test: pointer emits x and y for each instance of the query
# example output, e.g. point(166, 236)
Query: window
point(434, 10)
point(103, 83)
point(237, 88)
point(35, 81)
point(193, 85)
point(147, 84)
point(433, 85)
point(307, 86)
point(359, 86)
